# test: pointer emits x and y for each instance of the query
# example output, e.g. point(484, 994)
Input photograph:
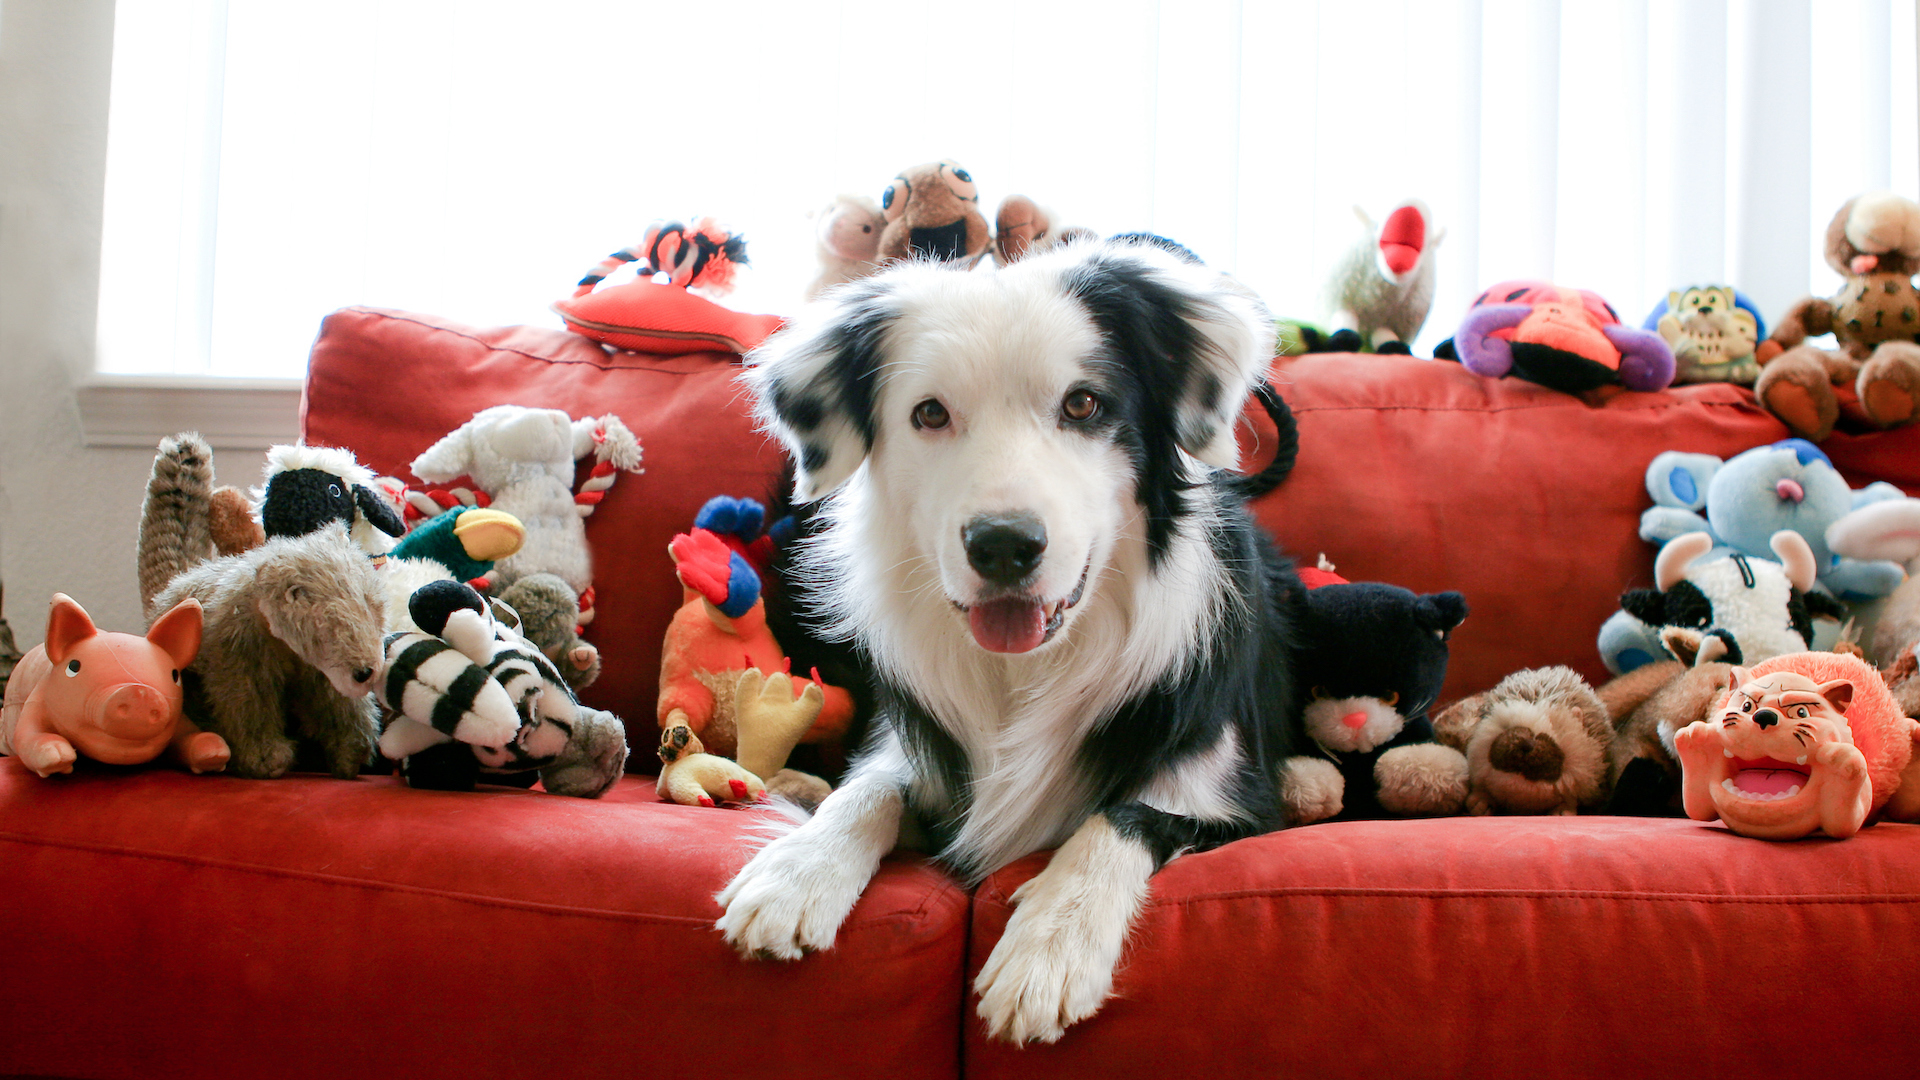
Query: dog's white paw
point(790, 899)
point(1052, 969)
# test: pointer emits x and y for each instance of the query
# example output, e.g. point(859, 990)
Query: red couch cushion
point(1425, 475)
point(162, 924)
point(388, 385)
point(1414, 472)
point(1502, 947)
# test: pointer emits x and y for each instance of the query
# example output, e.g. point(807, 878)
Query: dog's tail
point(175, 530)
point(1286, 447)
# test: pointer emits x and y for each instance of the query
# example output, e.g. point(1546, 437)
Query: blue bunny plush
point(1743, 501)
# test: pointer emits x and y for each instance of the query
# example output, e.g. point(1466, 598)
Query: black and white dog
point(1079, 637)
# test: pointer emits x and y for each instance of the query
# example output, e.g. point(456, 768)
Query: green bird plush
point(465, 540)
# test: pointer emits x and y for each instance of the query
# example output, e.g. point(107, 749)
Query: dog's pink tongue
point(1008, 626)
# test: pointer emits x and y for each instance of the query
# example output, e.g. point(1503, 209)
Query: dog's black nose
point(362, 674)
point(1003, 548)
point(1766, 718)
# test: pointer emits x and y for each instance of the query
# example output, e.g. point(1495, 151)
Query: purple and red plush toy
point(1565, 339)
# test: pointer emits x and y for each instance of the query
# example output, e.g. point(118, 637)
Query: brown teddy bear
point(1874, 243)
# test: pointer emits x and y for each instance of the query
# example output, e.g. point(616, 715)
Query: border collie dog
point(1079, 638)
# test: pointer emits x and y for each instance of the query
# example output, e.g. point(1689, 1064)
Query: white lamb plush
point(524, 459)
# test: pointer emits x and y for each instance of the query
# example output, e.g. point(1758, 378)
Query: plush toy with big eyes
point(1565, 339)
point(933, 212)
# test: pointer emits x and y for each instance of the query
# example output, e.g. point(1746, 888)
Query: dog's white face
point(993, 438)
point(1004, 432)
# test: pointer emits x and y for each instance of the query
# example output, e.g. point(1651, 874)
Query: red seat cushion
point(162, 924)
point(1425, 475)
point(1509, 947)
point(388, 385)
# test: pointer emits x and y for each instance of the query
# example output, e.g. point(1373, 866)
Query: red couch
point(168, 925)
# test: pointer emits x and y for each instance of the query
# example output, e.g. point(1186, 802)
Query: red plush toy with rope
point(665, 316)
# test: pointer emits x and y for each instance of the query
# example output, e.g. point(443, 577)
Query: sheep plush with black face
point(1375, 658)
point(307, 487)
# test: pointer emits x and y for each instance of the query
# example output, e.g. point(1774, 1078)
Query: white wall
point(68, 513)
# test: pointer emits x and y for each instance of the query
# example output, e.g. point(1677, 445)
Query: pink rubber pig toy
point(113, 697)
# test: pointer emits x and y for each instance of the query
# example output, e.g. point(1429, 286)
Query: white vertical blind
point(270, 162)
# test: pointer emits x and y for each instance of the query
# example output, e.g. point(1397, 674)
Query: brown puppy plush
point(1648, 705)
point(933, 212)
point(1874, 243)
point(1535, 744)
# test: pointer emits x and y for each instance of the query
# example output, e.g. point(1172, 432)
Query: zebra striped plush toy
point(463, 671)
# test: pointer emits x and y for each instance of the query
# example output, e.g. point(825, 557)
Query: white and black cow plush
point(465, 654)
point(1730, 608)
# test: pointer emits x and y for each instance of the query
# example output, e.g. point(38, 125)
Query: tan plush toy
point(1535, 744)
point(1022, 227)
point(771, 718)
point(846, 237)
point(1874, 243)
point(933, 212)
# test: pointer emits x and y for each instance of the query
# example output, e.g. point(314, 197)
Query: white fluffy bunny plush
point(525, 459)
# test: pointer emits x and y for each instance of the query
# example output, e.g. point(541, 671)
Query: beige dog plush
point(1535, 744)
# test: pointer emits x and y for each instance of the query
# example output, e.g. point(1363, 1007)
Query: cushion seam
point(399, 887)
point(491, 347)
point(1519, 894)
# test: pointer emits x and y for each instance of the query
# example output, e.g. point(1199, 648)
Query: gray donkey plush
point(292, 643)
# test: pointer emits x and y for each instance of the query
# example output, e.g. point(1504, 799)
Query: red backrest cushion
point(1414, 472)
point(1422, 474)
point(388, 384)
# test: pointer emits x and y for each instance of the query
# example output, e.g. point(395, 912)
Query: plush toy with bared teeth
point(1804, 743)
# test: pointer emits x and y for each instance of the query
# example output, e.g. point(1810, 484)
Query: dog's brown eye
point(930, 415)
point(1080, 406)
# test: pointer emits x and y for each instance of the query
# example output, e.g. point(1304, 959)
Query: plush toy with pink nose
point(115, 698)
point(1373, 661)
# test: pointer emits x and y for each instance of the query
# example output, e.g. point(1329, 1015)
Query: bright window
point(270, 162)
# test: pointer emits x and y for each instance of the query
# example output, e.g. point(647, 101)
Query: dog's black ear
point(1195, 337)
point(378, 511)
point(815, 382)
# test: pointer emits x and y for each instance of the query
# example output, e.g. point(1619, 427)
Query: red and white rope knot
point(615, 450)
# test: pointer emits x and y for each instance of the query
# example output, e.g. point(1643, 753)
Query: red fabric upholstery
point(1425, 475)
point(163, 924)
point(388, 385)
point(173, 925)
point(1503, 947)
